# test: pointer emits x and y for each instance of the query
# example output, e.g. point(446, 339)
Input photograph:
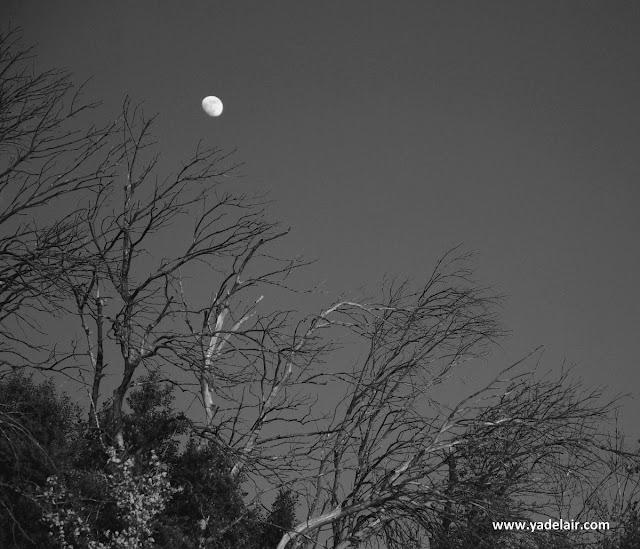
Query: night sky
point(388, 132)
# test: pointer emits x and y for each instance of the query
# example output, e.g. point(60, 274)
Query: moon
point(212, 105)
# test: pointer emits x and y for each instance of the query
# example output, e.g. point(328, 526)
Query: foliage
point(630, 536)
point(139, 500)
point(37, 431)
point(57, 471)
point(281, 518)
point(210, 503)
point(153, 424)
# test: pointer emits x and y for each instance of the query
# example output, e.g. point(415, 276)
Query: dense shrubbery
point(38, 433)
point(64, 487)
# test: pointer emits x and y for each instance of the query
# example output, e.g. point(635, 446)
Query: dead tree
point(149, 233)
point(49, 155)
point(91, 227)
point(382, 461)
point(380, 439)
point(519, 451)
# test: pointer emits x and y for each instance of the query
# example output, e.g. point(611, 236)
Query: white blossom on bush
point(139, 499)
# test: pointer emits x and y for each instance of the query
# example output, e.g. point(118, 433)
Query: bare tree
point(87, 227)
point(380, 438)
point(611, 494)
point(48, 157)
point(387, 463)
point(135, 296)
point(522, 454)
point(413, 339)
point(394, 466)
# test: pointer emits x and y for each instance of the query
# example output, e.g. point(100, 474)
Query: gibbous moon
point(212, 105)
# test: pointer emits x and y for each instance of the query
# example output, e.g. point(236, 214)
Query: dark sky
point(386, 132)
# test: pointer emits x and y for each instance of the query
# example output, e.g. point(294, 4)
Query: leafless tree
point(370, 450)
point(87, 228)
point(611, 494)
point(387, 463)
point(522, 454)
point(382, 470)
point(135, 297)
point(49, 155)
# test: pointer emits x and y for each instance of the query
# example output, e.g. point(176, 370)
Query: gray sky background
point(387, 132)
